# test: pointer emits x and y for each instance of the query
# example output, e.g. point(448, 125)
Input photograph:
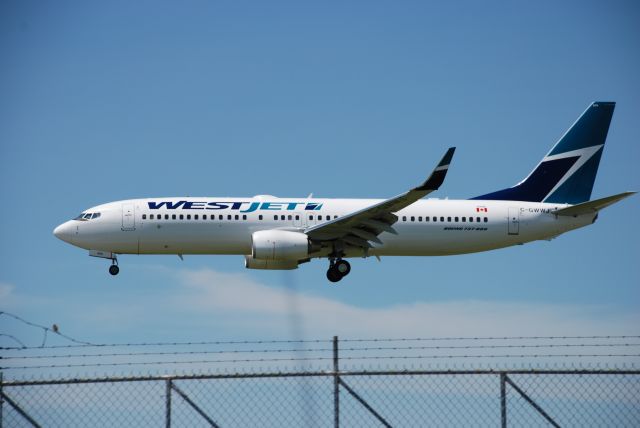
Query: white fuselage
point(191, 225)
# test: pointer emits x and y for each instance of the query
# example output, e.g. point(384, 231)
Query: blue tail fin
point(566, 175)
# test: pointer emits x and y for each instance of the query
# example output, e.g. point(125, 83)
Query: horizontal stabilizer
point(593, 206)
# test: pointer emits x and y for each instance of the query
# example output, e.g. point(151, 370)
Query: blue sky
point(104, 101)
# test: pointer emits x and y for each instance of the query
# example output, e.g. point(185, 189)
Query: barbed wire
point(81, 344)
point(309, 350)
point(274, 360)
point(46, 330)
point(492, 338)
point(15, 339)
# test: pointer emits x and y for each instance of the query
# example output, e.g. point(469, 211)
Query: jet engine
point(279, 245)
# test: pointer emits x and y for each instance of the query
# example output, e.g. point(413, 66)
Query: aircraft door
point(514, 221)
point(128, 217)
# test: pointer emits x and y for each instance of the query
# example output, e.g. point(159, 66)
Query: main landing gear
point(338, 269)
point(114, 269)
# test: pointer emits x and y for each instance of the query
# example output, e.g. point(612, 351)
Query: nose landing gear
point(338, 269)
point(113, 269)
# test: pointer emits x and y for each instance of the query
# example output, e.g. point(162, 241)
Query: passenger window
point(228, 216)
point(244, 216)
point(144, 216)
point(441, 218)
point(297, 217)
point(404, 218)
point(290, 217)
point(310, 217)
point(456, 219)
point(420, 218)
point(426, 219)
point(464, 219)
point(237, 217)
point(188, 216)
point(195, 216)
point(413, 218)
point(435, 219)
point(181, 216)
point(335, 216)
point(275, 217)
point(166, 216)
point(173, 216)
point(204, 216)
point(449, 219)
point(486, 219)
point(470, 219)
point(478, 219)
point(260, 217)
point(282, 217)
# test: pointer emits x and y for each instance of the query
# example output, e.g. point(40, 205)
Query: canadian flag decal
point(482, 210)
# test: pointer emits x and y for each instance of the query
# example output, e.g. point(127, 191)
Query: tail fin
point(567, 173)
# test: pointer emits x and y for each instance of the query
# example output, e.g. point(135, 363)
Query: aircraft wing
point(592, 206)
point(362, 227)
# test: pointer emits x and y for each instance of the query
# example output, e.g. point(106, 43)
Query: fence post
point(336, 385)
point(168, 403)
point(1, 398)
point(503, 399)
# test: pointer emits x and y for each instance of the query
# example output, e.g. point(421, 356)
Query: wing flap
point(379, 226)
point(356, 242)
point(365, 235)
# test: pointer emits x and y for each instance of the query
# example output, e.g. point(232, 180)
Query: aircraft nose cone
point(63, 232)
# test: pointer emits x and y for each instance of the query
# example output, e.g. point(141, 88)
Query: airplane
point(282, 233)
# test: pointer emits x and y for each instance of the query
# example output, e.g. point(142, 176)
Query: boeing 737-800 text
point(282, 233)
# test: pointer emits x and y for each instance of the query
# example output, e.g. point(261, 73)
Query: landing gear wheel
point(114, 269)
point(343, 267)
point(333, 275)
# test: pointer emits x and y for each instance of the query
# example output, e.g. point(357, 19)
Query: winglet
point(436, 178)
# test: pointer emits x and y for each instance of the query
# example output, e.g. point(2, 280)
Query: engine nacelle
point(279, 245)
point(251, 263)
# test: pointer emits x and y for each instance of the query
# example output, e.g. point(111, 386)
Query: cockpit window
point(87, 216)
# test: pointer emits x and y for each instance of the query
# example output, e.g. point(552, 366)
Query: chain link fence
point(321, 395)
point(576, 398)
point(322, 384)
